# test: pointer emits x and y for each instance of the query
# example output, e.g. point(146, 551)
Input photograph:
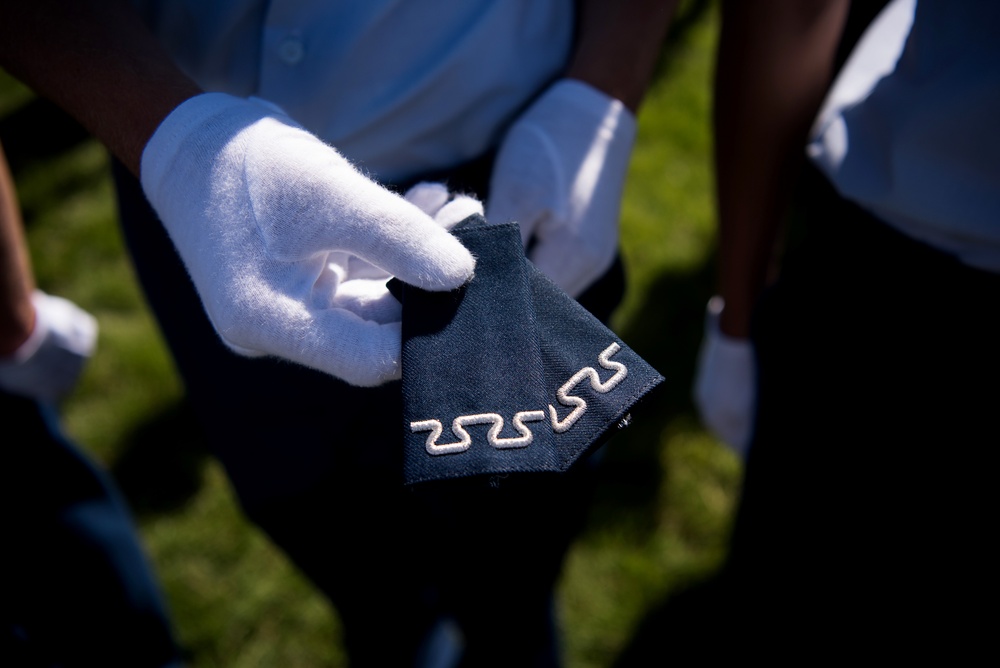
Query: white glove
point(267, 219)
point(47, 366)
point(725, 383)
point(560, 173)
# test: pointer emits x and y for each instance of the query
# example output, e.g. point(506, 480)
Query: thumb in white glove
point(725, 383)
point(559, 174)
point(266, 217)
point(47, 366)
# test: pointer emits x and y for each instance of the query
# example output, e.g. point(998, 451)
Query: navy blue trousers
point(317, 464)
point(869, 482)
point(869, 498)
point(75, 586)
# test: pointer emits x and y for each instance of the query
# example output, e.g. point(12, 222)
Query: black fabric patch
point(483, 366)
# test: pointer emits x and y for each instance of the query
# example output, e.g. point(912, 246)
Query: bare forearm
point(774, 67)
point(618, 46)
point(97, 61)
point(17, 315)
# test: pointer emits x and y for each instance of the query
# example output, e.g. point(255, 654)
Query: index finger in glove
point(330, 206)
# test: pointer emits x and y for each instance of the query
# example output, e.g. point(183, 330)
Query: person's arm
point(618, 45)
point(17, 282)
point(44, 340)
point(99, 62)
point(775, 64)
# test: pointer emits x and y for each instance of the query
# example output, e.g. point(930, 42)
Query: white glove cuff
point(725, 349)
point(612, 115)
point(34, 341)
point(216, 114)
point(78, 329)
point(47, 365)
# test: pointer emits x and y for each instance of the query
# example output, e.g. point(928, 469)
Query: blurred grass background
point(667, 491)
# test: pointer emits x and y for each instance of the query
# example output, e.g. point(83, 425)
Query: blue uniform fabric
point(483, 367)
point(76, 588)
point(910, 133)
point(458, 71)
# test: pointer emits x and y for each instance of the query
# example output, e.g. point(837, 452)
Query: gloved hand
point(267, 218)
point(47, 366)
point(725, 383)
point(560, 173)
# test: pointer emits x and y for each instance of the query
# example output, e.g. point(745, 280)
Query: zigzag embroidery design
point(465, 439)
point(578, 404)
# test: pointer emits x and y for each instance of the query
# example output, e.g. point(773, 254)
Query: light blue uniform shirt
point(911, 128)
point(398, 86)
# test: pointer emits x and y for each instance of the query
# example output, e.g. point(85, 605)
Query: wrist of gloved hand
point(48, 364)
point(560, 174)
point(263, 215)
point(725, 383)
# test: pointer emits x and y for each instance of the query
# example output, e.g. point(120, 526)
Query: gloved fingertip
point(439, 263)
point(452, 273)
point(428, 196)
point(457, 210)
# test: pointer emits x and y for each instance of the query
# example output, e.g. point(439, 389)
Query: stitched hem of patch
point(634, 404)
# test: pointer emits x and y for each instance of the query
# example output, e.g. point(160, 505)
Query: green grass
point(661, 518)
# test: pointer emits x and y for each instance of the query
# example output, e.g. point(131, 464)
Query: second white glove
point(559, 174)
point(263, 213)
point(725, 385)
point(47, 366)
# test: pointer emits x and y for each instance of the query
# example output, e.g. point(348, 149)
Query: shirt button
point(291, 50)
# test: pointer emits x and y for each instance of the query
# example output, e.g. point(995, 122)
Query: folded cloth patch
point(508, 373)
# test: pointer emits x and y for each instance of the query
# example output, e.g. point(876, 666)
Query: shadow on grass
point(667, 334)
point(689, 14)
point(161, 465)
point(36, 136)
